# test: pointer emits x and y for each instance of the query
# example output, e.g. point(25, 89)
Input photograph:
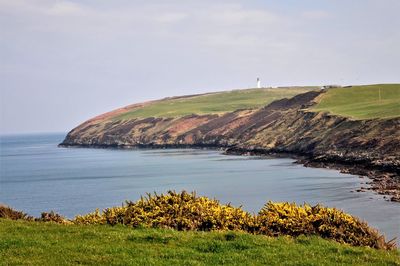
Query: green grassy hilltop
point(31, 243)
point(357, 102)
point(214, 103)
point(362, 102)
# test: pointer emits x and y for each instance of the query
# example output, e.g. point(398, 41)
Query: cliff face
point(282, 126)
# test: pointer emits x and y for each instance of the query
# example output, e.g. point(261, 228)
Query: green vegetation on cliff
point(362, 102)
point(32, 243)
point(213, 103)
point(357, 102)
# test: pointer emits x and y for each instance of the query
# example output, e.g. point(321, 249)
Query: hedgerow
point(187, 211)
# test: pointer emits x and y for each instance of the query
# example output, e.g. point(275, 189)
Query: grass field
point(357, 102)
point(214, 103)
point(35, 243)
point(362, 102)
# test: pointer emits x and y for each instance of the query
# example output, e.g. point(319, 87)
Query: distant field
point(33, 243)
point(214, 103)
point(357, 102)
point(362, 102)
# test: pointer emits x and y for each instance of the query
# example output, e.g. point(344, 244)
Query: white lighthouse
point(258, 83)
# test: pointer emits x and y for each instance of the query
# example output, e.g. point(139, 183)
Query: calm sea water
point(38, 176)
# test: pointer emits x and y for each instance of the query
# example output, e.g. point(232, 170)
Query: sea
point(36, 176)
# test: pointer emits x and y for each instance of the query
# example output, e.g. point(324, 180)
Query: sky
point(63, 62)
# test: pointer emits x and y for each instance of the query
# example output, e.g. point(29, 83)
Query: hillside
point(362, 102)
point(53, 244)
point(212, 103)
point(318, 124)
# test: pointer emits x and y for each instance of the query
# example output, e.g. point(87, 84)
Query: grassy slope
point(214, 103)
point(358, 102)
point(52, 244)
point(362, 102)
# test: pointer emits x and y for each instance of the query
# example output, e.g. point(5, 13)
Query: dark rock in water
point(395, 198)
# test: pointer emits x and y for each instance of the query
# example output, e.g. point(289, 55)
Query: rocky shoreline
point(382, 181)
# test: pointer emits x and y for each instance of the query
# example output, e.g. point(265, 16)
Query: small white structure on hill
point(330, 87)
point(258, 83)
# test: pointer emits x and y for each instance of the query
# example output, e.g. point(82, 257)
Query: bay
point(37, 176)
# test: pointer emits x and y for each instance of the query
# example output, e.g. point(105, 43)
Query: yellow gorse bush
point(91, 218)
point(180, 211)
point(291, 219)
point(187, 211)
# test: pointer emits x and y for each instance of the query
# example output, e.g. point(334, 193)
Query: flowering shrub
point(91, 218)
point(186, 211)
point(290, 219)
point(112, 216)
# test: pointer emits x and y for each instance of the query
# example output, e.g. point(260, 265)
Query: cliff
point(365, 147)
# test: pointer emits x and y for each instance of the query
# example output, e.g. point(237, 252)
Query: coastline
point(285, 127)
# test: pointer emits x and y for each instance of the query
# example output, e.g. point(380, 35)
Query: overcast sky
point(62, 62)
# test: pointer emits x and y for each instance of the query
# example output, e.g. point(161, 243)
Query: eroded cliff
point(365, 147)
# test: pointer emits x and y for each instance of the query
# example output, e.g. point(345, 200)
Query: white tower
point(258, 83)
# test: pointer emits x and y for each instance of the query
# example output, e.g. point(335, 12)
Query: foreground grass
point(37, 243)
point(362, 102)
point(214, 103)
